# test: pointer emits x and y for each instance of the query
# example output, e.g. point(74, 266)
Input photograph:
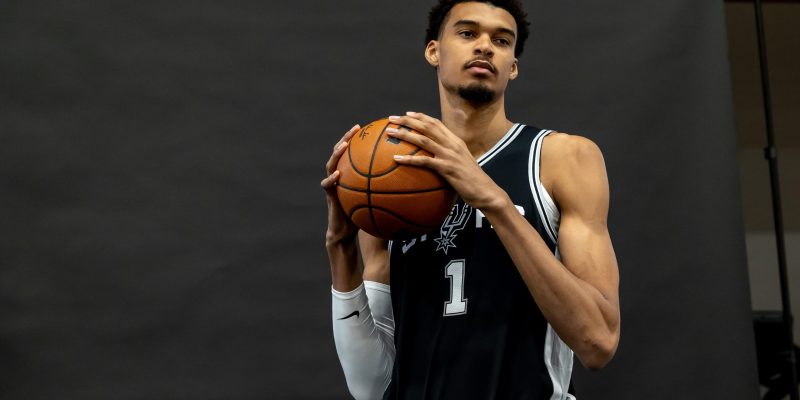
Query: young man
point(521, 273)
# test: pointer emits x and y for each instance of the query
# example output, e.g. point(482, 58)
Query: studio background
point(162, 228)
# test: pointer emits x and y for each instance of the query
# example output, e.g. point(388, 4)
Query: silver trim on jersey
point(501, 144)
point(558, 359)
point(534, 160)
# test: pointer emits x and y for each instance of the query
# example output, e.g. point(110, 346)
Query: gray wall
point(162, 224)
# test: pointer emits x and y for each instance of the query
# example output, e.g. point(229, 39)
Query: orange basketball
point(387, 199)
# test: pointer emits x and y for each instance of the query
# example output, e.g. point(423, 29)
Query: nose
point(483, 46)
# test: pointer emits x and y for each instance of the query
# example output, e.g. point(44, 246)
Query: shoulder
point(569, 148)
point(570, 162)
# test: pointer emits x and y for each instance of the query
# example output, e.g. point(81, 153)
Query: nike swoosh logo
point(350, 315)
point(408, 246)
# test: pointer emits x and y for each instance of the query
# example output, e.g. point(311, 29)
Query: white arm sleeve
point(363, 329)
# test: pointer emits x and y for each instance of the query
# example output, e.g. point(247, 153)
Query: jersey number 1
point(457, 305)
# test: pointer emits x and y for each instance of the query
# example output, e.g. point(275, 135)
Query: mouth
point(480, 66)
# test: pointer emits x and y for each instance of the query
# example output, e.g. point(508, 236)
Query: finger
point(438, 125)
point(339, 147)
point(427, 127)
point(422, 117)
point(347, 135)
point(416, 139)
point(330, 181)
point(330, 166)
point(419, 161)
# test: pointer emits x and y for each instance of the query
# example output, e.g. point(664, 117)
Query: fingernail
point(391, 131)
point(409, 113)
point(393, 118)
point(397, 157)
point(341, 145)
point(354, 127)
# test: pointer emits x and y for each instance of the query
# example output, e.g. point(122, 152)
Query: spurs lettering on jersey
point(480, 217)
point(456, 221)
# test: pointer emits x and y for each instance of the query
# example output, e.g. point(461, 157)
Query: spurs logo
point(454, 223)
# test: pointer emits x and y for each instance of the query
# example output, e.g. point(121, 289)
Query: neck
point(480, 126)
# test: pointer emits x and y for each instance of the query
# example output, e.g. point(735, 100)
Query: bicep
point(583, 240)
point(375, 256)
point(586, 251)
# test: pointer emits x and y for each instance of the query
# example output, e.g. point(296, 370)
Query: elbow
point(368, 386)
point(598, 350)
point(596, 360)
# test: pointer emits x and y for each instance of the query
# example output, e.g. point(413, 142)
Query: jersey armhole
point(548, 211)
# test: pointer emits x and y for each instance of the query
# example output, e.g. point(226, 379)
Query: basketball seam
point(396, 166)
point(353, 211)
point(350, 154)
point(369, 179)
point(369, 174)
point(352, 189)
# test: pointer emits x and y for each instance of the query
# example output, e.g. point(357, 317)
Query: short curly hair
point(514, 7)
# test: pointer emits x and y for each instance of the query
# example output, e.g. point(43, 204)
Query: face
point(474, 55)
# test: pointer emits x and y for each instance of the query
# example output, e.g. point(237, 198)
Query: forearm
point(579, 312)
point(363, 331)
point(343, 258)
point(363, 323)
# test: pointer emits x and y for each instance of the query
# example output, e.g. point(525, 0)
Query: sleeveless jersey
point(466, 326)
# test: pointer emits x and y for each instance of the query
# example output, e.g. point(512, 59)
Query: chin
point(477, 93)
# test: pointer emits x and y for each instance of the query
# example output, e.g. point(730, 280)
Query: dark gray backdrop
point(162, 225)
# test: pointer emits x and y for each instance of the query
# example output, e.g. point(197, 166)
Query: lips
point(481, 64)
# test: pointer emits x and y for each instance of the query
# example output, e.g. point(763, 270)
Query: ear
point(514, 70)
point(432, 53)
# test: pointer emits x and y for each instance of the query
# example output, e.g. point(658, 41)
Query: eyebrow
point(473, 23)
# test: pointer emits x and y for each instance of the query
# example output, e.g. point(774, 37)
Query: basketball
point(387, 199)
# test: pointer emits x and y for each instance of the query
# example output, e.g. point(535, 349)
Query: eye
point(466, 34)
point(503, 41)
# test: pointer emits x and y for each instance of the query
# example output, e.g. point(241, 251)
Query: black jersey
point(466, 326)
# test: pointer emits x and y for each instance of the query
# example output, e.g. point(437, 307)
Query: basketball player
point(522, 272)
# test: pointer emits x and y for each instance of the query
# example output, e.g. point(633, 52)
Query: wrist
point(335, 240)
point(343, 257)
point(495, 201)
